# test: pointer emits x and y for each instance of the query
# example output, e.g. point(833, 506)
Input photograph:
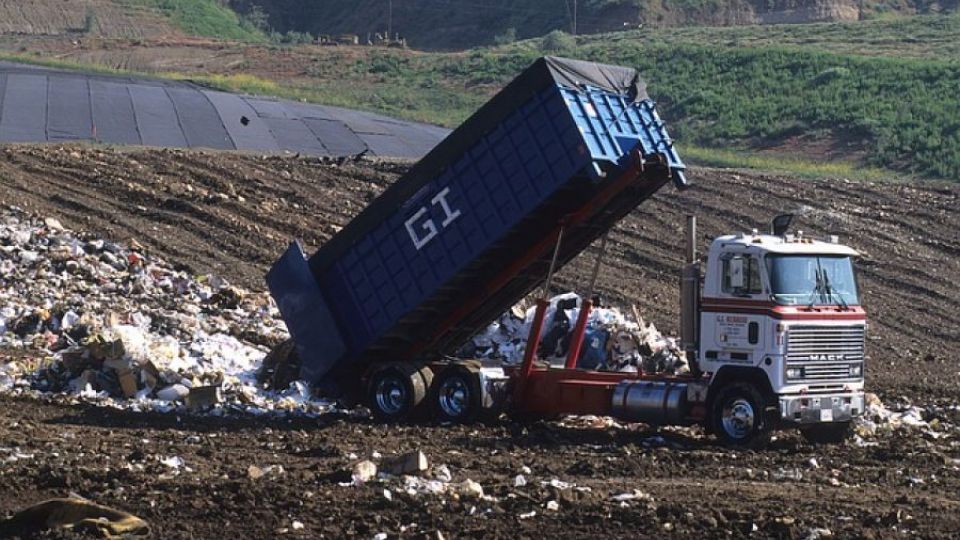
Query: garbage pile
point(108, 322)
point(933, 421)
point(612, 342)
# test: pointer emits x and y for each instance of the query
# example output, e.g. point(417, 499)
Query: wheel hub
point(454, 398)
point(391, 395)
point(738, 419)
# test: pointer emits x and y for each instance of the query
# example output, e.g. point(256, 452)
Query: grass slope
point(903, 113)
point(202, 18)
point(930, 36)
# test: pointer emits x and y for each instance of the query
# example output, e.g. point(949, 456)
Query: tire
point(396, 391)
point(827, 433)
point(456, 395)
point(738, 416)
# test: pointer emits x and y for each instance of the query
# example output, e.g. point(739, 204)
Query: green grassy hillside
point(206, 18)
point(933, 36)
point(461, 24)
point(897, 113)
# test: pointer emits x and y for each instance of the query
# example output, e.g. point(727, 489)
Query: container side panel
point(408, 258)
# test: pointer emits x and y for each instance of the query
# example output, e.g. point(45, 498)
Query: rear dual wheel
point(397, 391)
point(404, 391)
point(457, 396)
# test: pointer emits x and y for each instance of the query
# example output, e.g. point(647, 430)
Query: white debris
point(442, 473)
point(364, 472)
point(528, 515)
point(612, 341)
point(415, 485)
point(255, 473)
point(788, 474)
point(635, 495)
point(173, 462)
point(174, 392)
point(519, 481)
point(817, 533)
point(559, 484)
point(553, 506)
point(296, 525)
point(128, 330)
point(468, 489)
point(6, 380)
point(14, 455)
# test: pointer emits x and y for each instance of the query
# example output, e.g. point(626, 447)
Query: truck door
point(733, 323)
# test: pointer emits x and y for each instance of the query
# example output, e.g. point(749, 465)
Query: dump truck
point(772, 326)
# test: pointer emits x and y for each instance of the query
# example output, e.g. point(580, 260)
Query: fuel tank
point(650, 402)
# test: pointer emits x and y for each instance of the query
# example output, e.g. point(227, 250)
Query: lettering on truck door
point(739, 336)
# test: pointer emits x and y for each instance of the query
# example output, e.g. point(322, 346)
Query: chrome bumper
point(821, 408)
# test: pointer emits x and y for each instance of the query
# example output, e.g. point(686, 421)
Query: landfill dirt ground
point(233, 214)
point(905, 485)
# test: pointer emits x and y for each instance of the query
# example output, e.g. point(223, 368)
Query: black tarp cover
point(40, 104)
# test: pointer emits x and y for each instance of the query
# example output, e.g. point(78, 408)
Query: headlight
point(794, 373)
point(856, 370)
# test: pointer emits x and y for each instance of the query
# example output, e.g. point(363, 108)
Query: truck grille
point(824, 353)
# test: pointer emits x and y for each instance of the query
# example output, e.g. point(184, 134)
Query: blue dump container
point(432, 260)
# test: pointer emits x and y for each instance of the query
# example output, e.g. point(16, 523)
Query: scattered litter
point(553, 506)
point(559, 484)
point(442, 473)
point(296, 525)
point(409, 463)
point(364, 472)
point(519, 481)
point(528, 515)
point(635, 495)
point(255, 473)
point(818, 533)
point(174, 462)
point(468, 489)
point(788, 474)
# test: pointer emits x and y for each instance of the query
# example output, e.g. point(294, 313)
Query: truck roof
point(787, 245)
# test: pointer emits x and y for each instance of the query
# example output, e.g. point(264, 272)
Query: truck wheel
point(737, 416)
point(457, 395)
point(826, 433)
point(395, 391)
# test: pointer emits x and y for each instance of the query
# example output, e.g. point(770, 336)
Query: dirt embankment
point(234, 214)
point(82, 18)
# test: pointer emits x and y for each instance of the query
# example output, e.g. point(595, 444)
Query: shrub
point(558, 41)
point(507, 37)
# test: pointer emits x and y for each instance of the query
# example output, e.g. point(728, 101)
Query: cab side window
point(741, 275)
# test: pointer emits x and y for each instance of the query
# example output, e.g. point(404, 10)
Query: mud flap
point(308, 318)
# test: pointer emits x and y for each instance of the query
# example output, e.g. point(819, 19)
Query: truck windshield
point(812, 280)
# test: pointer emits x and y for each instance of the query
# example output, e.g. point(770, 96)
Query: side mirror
point(736, 272)
point(780, 224)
